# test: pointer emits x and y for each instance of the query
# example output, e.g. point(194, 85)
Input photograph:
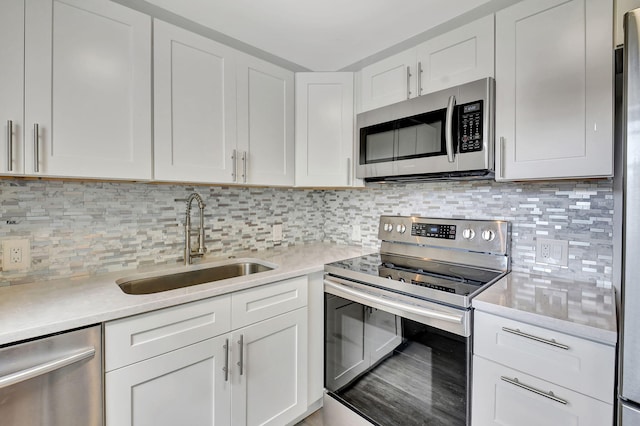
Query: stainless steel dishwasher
point(53, 381)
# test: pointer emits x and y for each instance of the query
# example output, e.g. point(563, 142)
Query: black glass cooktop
point(419, 277)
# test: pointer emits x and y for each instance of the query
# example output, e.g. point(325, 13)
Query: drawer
point(140, 337)
point(572, 362)
point(259, 303)
point(506, 397)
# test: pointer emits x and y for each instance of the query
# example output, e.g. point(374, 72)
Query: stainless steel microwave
point(442, 135)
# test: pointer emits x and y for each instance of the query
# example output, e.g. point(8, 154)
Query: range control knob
point(468, 234)
point(488, 235)
point(401, 228)
point(388, 227)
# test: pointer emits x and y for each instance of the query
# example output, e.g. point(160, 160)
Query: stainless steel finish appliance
point(398, 322)
point(442, 135)
point(53, 381)
point(629, 367)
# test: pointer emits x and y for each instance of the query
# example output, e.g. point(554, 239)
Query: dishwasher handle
point(47, 367)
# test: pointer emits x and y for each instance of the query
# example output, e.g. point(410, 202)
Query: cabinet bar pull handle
point(36, 148)
point(549, 394)
point(47, 367)
point(244, 166)
point(226, 360)
point(419, 78)
point(502, 141)
point(348, 171)
point(551, 342)
point(408, 82)
point(235, 166)
point(10, 145)
point(241, 362)
point(448, 136)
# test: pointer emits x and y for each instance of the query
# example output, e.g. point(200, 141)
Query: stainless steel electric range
point(398, 322)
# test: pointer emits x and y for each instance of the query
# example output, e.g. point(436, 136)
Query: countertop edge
point(595, 334)
point(29, 311)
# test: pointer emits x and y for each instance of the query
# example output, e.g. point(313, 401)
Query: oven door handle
point(362, 296)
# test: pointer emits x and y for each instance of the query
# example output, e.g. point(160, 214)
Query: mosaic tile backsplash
point(87, 228)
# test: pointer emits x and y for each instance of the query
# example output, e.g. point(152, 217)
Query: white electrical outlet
point(552, 252)
point(276, 232)
point(16, 254)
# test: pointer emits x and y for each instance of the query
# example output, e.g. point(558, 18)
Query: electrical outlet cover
point(552, 252)
point(16, 255)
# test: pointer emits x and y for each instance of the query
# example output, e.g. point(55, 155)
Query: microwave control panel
point(470, 127)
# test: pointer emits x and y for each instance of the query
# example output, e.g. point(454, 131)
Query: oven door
point(385, 362)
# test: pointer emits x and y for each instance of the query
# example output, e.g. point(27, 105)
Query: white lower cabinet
point(526, 375)
point(176, 374)
point(503, 396)
point(183, 387)
point(269, 373)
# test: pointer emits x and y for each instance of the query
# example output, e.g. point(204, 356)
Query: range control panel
point(486, 236)
point(433, 231)
point(470, 127)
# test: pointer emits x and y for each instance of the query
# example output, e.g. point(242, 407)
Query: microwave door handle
point(448, 135)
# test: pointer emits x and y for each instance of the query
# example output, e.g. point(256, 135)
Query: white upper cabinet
point(389, 81)
point(220, 116)
point(87, 90)
point(554, 90)
point(11, 86)
point(460, 56)
point(324, 129)
point(194, 107)
point(265, 123)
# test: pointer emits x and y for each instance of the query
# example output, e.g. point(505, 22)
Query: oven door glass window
point(392, 370)
point(407, 138)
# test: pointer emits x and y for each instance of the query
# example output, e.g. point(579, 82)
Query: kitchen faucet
point(189, 254)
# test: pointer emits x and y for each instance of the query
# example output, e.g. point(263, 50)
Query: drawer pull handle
point(551, 342)
point(549, 394)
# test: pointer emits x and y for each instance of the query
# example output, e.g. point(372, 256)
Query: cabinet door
point(346, 356)
point(265, 123)
point(87, 89)
point(324, 129)
point(389, 81)
point(506, 397)
point(270, 377)
point(460, 56)
point(383, 333)
point(184, 387)
point(554, 101)
point(194, 107)
point(11, 86)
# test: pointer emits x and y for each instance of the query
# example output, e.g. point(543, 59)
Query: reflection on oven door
point(357, 338)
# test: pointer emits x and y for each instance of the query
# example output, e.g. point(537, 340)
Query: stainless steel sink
point(161, 283)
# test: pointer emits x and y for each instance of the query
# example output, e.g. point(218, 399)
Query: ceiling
point(321, 35)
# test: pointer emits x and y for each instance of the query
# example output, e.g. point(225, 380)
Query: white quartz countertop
point(37, 309)
point(571, 307)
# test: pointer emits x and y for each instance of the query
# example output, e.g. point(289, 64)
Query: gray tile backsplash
point(86, 228)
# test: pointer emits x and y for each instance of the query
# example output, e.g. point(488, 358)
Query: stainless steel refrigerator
point(629, 367)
